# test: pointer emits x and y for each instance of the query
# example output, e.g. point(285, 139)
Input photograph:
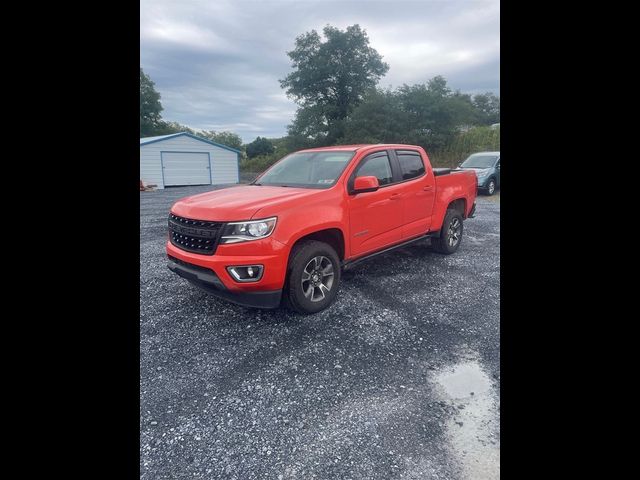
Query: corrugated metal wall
point(224, 162)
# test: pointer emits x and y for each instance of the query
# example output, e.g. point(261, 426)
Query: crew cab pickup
point(286, 237)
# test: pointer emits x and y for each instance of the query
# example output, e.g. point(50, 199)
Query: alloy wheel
point(453, 234)
point(317, 278)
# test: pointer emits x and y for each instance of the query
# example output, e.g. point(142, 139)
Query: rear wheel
point(313, 277)
point(450, 234)
point(491, 187)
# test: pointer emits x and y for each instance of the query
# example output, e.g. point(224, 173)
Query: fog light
point(246, 273)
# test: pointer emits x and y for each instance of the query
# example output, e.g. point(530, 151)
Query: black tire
point(449, 227)
point(301, 262)
point(490, 190)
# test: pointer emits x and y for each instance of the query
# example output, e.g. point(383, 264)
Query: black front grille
point(197, 236)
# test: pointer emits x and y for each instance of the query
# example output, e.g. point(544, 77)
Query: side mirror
point(365, 184)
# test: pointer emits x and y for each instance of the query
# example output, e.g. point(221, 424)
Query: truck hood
point(237, 203)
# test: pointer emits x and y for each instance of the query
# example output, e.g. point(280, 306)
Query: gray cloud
point(217, 63)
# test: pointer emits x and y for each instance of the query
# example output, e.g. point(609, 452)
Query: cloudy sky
point(216, 63)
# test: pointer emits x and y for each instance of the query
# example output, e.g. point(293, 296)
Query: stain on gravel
point(473, 431)
point(357, 391)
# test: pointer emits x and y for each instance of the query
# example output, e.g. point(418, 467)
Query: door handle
point(427, 188)
point(395, 196)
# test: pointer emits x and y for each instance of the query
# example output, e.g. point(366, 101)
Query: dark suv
point(487, 168)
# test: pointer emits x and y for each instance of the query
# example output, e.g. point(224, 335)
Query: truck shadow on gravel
point(395, 264)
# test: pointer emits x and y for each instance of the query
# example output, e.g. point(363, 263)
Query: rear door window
point(411, 164)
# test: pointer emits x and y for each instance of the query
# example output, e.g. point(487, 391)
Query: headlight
point(482, 173)
point(245, 231)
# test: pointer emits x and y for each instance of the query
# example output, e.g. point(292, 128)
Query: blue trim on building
point(195, 137)
point(163, 137)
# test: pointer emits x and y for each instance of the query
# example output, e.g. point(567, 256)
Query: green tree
point(488, 108)
point(150, 106)
point(309, 128)
point(229, 139)
point(260, 146)
point(429, 114)
point(166, 128)
point(378, 119)
point(259, 163)
point(329, 79)
point(435, 112)
point(464, 110)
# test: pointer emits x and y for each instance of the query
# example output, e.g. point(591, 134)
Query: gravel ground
point(399, 378)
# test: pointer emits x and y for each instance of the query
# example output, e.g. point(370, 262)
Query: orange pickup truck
point(287, 236)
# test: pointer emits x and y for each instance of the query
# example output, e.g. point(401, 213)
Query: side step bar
point(351, 263)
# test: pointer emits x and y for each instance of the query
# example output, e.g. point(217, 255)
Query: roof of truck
point(359, 146)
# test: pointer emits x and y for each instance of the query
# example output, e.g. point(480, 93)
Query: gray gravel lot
point(399, 378)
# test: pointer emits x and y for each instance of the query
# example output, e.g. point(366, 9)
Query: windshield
point(480, 161)
point(307, 169)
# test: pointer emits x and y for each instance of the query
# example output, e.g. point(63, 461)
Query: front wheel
point(450, 234)
point(313, 277)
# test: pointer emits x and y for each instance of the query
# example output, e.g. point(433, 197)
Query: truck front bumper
point(207, 280)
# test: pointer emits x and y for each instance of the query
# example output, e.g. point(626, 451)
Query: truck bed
point(459, 184)
point(437, 172)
